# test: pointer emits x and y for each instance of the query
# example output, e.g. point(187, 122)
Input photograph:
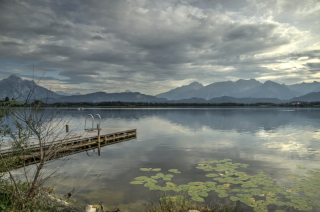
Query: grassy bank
point(45, 203)
point(13, 197)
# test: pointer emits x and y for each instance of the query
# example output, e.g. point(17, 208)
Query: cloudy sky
point(153, 46)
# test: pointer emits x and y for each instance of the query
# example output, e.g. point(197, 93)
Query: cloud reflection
point(270, 140)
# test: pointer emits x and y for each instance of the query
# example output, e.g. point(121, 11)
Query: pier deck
point(70, 143)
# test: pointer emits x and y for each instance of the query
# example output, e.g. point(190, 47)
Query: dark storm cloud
point(11, 44)
point(152, 41)
point(314, 65)
point(315, 54)
point(51, 49)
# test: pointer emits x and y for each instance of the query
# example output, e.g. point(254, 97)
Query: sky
point(152, 46)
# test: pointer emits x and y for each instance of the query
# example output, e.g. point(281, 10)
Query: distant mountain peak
point(177, 92)
point(269, 82)
point(67, 94)
point(14, 78)
point(195, 83)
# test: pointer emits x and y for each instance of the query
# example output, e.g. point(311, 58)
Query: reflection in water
point(273, 141)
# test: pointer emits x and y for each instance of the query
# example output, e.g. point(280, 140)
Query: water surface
point(275, 141)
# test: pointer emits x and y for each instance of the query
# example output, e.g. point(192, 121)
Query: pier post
point(98, 127)
point(67, 128)
point(19, 132)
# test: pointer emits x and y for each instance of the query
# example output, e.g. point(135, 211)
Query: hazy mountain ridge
point(67, 94)
point(240, 91)
point(310, 97)
point(108, 97)
point(227, 88)
point(273, 90)
point(305, 88)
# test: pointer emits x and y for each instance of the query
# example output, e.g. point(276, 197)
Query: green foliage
point(258, 191)
point(11, 103)
point(25, 193)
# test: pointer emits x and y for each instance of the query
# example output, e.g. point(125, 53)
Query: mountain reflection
point(243, 120)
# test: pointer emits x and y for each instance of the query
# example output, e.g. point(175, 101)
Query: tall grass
point(41, 202)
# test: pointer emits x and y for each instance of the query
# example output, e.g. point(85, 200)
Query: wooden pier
point(69, 144)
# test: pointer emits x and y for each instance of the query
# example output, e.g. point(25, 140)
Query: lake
point(280, 146)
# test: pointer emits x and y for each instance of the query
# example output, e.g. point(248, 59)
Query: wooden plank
point(76, 144)
point(69, 139)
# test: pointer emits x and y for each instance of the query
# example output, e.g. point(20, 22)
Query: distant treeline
point(163, 104)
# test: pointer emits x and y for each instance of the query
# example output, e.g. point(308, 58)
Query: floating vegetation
point(174, 171)
point(258, 191)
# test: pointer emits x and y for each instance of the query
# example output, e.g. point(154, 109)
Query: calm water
point(275, 141)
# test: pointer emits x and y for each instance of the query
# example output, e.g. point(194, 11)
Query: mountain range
point(15, 87)
point(240, 91)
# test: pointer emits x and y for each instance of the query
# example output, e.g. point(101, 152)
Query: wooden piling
point(19, 132)
point(67, 128)
point(98, 127)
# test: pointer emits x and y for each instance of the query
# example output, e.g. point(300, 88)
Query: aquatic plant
point(182, 202)
point(258, 191)
point(176, 171)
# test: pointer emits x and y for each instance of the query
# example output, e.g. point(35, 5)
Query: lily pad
point(184, 187)
point(176, 171)
point(171, 185)
point(233, 198)
point(150, 180)
point(141, 178)
point(149, 184)
point(255, 190)
point(198, 199)
point(176, 189)
point(155, 187)
point(165, 189)
point(203, 194)
point(145, 169)
point(222, 195)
